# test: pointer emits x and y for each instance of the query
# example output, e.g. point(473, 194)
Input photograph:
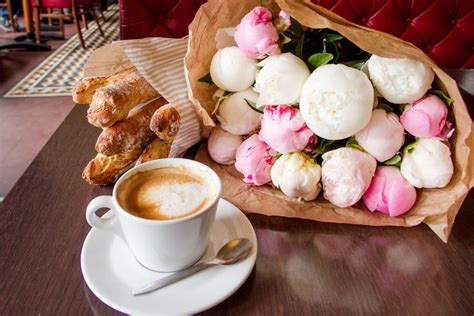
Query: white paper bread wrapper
point(161, 62)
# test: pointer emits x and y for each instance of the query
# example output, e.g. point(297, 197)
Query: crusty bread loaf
point(84, 90)
point(113, 102)
point(155, 150)
point(104, 170)
point(132, 133)
point(165, 122)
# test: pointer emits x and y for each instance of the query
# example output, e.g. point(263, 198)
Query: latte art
point(166, 193)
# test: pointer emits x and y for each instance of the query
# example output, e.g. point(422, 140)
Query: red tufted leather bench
point(444, 29)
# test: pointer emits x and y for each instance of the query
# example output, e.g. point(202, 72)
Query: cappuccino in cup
point(166, 193)
point(163, 210)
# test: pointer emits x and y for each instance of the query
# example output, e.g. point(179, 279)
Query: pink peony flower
point(346, 175)
point(383, 136)
point(254, 161)
point(222, 146)
point(426, 117)
point(255, 35)
point(389, 192)
point(284, 130)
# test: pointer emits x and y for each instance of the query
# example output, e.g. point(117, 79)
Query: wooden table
point(303, 267)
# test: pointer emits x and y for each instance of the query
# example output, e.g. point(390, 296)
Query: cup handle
point(110, 223)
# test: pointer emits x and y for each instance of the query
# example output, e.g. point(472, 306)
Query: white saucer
point(111, 271)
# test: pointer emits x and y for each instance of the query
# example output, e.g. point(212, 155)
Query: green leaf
point(394, 161)
point(319, 59)
point(443, 96)
point(321, 147)
point(357, 64)
point(206, 79)
point(299, 47)
point(284, 39)
point(253, 106)
point(410, 148)
point(333, 37)
point(385, 107)
point(352, 143)
point(296, 27)
point(275, 158)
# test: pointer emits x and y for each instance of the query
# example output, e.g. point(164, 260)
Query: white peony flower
point(280, 80)
point(346, 175)
point(337, 101)
point(236, 116)
point(297, 175)
point(429, 165)
point(400, 80)
point(383, 136)
point(232, 70)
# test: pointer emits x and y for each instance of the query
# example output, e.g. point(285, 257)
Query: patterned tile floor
point(58, 74)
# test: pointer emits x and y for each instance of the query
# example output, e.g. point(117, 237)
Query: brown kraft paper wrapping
point(435, 207)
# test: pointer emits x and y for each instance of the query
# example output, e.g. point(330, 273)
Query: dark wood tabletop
point(303, 267)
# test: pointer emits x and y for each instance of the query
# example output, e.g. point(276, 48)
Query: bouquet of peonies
point(305, 109)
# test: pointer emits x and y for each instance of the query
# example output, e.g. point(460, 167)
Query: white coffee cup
point(159, 245)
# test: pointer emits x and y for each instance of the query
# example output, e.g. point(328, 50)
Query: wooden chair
point(8, 4)
point(55, 10)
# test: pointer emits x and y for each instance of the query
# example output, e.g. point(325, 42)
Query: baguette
point(104, 170)
point(165, 123)
point(132, 133)
point(113, 102)
point(84, 90)
point(155, 150)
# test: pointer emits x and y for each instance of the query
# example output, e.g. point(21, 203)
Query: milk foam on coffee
point(166, 193)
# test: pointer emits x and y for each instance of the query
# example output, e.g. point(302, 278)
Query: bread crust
point(165, 122)
point(104, 170)
point(113, 102)
point(84, 90)
point(157, 149)
point(131, 133)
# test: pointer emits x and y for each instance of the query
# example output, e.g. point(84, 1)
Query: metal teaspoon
point(233, 251)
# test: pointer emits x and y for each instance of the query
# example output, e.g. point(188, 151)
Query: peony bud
point(283, 22)
point(383, 136)
point(389, 192)
point(280, 80)
point(428, 164)
point(337, 101)
point(232, 70)
point(284, 130)
point(346, 175)
point(297, 175)
point(255, 35)
point(222, 146)
point(254, 160)
point(236, 116)
point(400, 80)
point(425, 117)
